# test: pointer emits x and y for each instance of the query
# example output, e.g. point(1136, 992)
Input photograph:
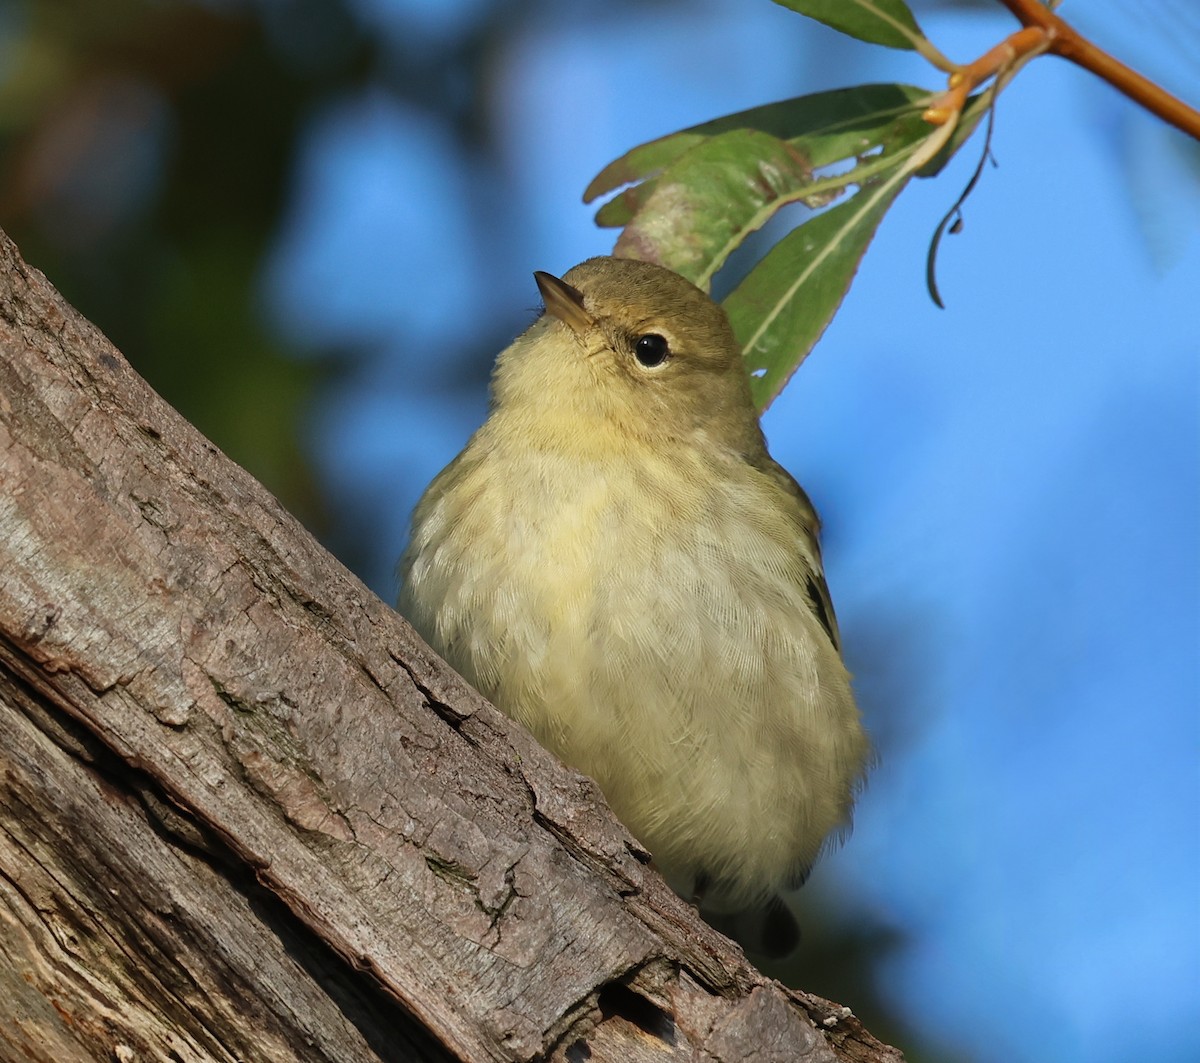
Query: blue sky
point(1011, 486)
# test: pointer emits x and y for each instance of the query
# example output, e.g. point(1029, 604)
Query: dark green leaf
point(825, 127)
point(780, 310)
point(975, 109)
point(886, 22)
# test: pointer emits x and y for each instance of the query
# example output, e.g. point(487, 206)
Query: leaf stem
point(929, 52)
point(1018, 47)
point(1066, 41)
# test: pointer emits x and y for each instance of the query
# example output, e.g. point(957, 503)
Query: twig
point(1064, 40)
point(1017, 48)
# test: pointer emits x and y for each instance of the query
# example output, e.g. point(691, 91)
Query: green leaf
point(620, 210)
point(707, 202)
point(825, 127)
point(886, 22)
point(780, 310)
point(705, 189)
point(974, 110)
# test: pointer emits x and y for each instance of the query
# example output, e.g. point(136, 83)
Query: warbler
point(616, 561)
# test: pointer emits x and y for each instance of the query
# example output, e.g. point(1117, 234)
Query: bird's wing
point(810, 550)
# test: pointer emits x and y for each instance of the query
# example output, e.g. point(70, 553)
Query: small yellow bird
point(617, 562)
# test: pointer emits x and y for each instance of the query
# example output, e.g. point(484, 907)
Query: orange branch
point(1065, 41)
point(1024, 44)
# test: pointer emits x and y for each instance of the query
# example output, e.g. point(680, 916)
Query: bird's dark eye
point(651, 350)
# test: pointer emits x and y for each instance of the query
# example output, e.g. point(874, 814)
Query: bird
point(616, 562)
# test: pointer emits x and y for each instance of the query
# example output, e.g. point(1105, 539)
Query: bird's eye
point(651, 350)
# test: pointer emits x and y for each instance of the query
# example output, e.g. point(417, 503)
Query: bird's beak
point(564, 302)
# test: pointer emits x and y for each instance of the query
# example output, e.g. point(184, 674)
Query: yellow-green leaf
point(780, 310)
point(706, 203)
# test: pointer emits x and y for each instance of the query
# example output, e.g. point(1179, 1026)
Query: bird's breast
point(646, 618)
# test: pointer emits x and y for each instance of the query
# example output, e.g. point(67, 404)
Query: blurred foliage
point(144, 154)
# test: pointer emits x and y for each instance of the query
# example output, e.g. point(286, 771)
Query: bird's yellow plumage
point(617, 562)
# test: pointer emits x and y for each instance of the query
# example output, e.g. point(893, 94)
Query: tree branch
point(1015, 49)
point(246, 814)
point(1066, 41)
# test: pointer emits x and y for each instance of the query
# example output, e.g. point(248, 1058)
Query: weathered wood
point(117, 936)
point(249, 815)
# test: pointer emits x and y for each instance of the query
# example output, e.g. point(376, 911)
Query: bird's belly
point(686, 675)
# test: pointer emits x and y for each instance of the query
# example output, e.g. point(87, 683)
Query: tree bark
point(248, 815)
